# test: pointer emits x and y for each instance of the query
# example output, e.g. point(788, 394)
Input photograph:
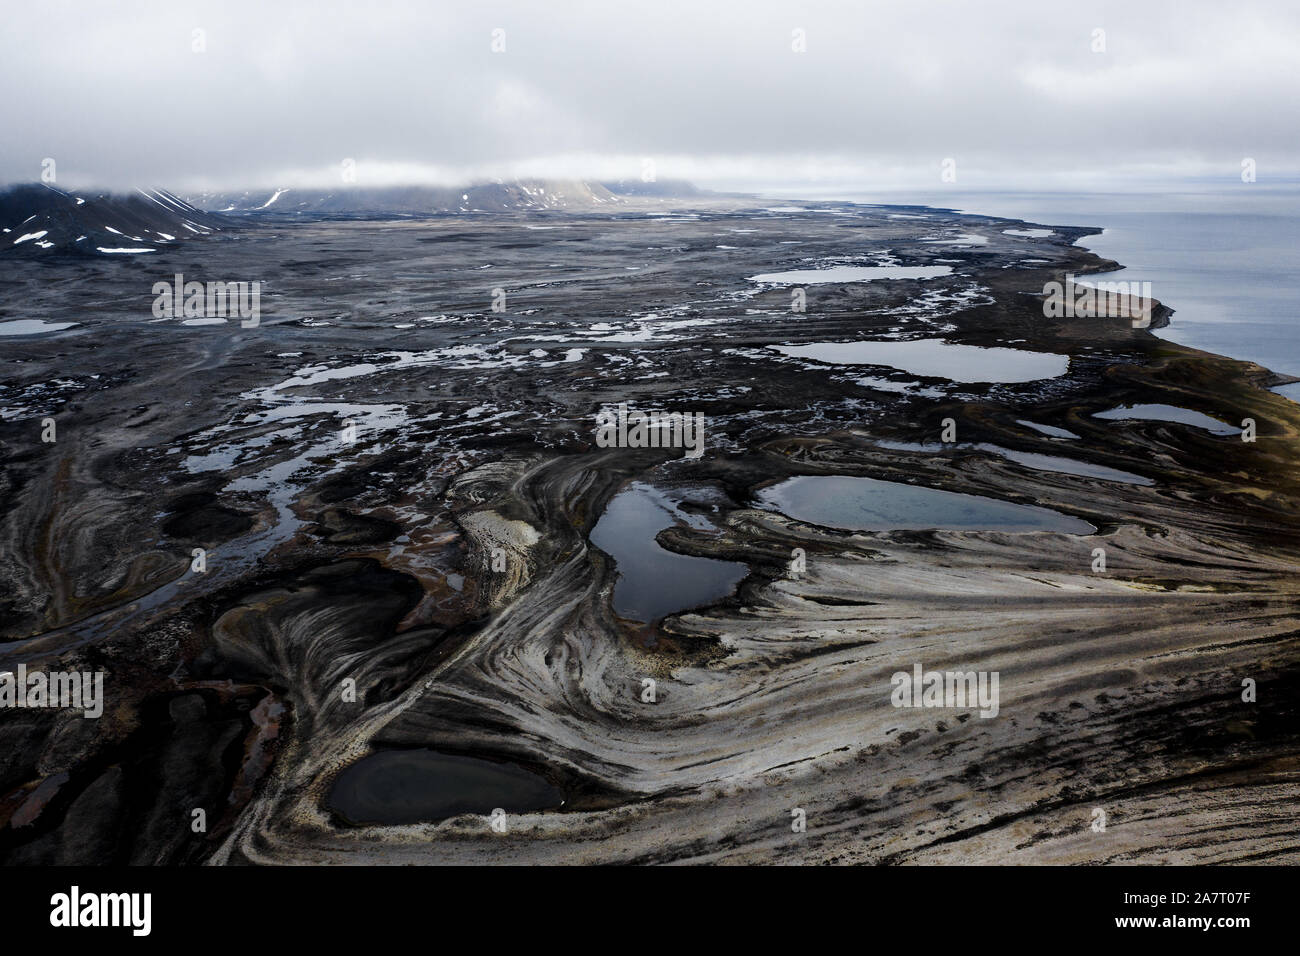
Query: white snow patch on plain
point(32, 327)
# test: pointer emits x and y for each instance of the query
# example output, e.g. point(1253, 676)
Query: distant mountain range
point(415, 201)
point(39, 219)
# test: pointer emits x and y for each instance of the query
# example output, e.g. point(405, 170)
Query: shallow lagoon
point(654, 582)
point(869, 504)
point(414, 786)
point(851, 274)
point(1168, 413)
point(935, 358)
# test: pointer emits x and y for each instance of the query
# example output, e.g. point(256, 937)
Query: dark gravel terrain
point(393, 477)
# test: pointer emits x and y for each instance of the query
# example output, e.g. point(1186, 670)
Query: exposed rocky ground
point(393, 485)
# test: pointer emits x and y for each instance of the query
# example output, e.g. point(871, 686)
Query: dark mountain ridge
point(40, 219)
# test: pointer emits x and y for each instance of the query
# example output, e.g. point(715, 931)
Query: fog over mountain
point(729, 95)
point(415, 200)
point(41, 219)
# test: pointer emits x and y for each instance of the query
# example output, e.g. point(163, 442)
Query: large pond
point(851, 274)
point(936, 358)
point(1168, 413)
point(652, 581)
point(869, 504)
point(416, 786)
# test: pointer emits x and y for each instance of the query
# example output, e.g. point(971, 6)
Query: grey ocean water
point(1222, 255)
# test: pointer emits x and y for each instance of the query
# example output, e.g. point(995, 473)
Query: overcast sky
point(711, 90)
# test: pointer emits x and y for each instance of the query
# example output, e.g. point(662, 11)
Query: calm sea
point(1224, 257)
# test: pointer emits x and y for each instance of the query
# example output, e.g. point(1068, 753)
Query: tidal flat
point(395, 487)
